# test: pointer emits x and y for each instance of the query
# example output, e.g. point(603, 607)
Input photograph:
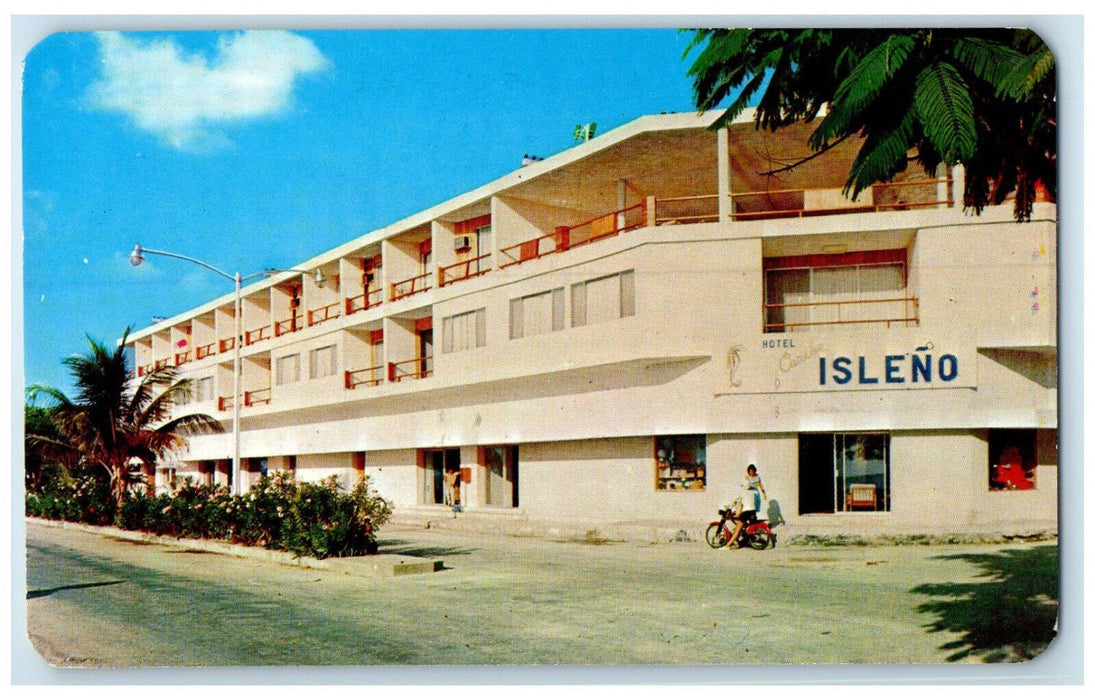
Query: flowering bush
point(309, 519)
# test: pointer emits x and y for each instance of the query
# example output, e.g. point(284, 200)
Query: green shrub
point(311, 519)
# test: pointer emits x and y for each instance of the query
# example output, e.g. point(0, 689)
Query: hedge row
point(308, 519)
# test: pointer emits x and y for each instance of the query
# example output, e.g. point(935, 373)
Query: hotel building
point(606, 338)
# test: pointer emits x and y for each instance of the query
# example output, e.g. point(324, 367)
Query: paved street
point(97, 602)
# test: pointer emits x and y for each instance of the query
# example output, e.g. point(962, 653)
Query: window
point(536, 314)
point(321, 362)
point(1013, 461)
point(288, 369)
point(843, 472)
point(464, 331)
point(203, 389)
point(801, 291)
point(680, 462)
point(602, 299)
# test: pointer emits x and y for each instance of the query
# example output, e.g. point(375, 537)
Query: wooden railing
point(256, 334)
point(252, 398)
point(182, 357)
point(407, 287)
point(290, 325)
point(161, 364)
point(567, 237)
point(203, 351)
point(361, 302)
point(226, 344)
point(790, 203)
point(323, 313)
point(909, 314)
point(698, 209)
point(371, 376)
point(465, 269)
point(224, 403)
point(420, 368)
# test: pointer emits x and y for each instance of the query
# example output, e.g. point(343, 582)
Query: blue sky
point(257, 150)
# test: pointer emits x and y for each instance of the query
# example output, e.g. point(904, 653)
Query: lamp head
point(137, 256)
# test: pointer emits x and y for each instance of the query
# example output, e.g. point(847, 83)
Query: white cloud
point(183, 98)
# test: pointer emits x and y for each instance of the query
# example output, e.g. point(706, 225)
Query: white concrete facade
point(547, 339)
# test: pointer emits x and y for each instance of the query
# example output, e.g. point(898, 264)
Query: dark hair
point(751, 468)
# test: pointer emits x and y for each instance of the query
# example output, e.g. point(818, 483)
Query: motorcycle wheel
point(759, 539)
point(716, 535)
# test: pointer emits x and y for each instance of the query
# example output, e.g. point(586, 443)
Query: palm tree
point(116, 419)
point(985, 98)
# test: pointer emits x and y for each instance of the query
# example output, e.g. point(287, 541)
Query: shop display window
point(680, 462)
point(1013, 463)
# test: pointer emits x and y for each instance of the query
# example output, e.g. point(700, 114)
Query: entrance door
point(435, 464)
point(499, 467)
point(843, 471)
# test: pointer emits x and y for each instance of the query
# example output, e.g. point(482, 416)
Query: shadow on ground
point(41, 592)
point(1010, 616)
point(410, 549)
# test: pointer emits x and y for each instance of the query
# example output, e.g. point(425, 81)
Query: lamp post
point(137, 257)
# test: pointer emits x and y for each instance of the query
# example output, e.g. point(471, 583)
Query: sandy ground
point(97, 602)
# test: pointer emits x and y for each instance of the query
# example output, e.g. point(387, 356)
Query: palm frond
point(944, 109)
point(882, 156)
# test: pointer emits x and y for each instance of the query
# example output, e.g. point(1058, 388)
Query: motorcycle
point(755, 534)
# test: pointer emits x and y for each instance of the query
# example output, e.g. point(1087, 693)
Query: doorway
point(498, 465)
point(435, 464)
point(843, 471)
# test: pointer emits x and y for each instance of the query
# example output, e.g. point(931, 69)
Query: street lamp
point(137, 257)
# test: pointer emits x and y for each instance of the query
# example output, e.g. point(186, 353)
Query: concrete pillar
point(621, 202)
point(958, 185)
point(722, 137)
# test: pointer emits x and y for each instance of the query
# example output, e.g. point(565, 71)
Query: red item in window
point(1012, 476)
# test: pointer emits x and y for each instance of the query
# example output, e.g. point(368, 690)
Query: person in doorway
point(456, 487)
point(450, 487)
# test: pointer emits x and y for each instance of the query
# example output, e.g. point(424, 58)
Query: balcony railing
point(290, 325)
point(370, 376)
point(224, 403)
point(182, 357)
point(407, 287)
point(418, 368)
point(203, 351)
point(778, 204)
point(226, 344)
point(698, 209)
point(361, 302)
point(252, 398)
point(256, 334)
point(465, 269)
point(900, 310)
point(567, 237)
point(161, 364)
point(323, 313)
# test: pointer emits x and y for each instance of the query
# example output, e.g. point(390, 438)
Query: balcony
point(363, 302)
point(370, 376)
point(290, 325)
point(256, 335)
point(417, 368)
point(227, 344)
point(902, 312)
point(324, 313)
point(407, 287)
point(204, 351)
point(258, 396)
point(463, 270)
point(566, 237)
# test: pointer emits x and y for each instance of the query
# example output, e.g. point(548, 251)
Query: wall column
point(722, 137)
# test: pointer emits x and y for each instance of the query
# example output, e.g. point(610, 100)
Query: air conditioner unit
point(461, 243)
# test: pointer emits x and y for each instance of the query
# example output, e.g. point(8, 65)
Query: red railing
point(145, 369)
point(289, 325)
point(256, 334)
point(420, 368)
point(909, 313)
point(226, 344)
point(203, 351)
point(323, 313)
point(567, 237)
point(777, 204)
point(371, 376)
point(251, 398)
point(161, 364)
point(182, 357)
point(465, 269)
point(407, 287)
point(224, 403)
